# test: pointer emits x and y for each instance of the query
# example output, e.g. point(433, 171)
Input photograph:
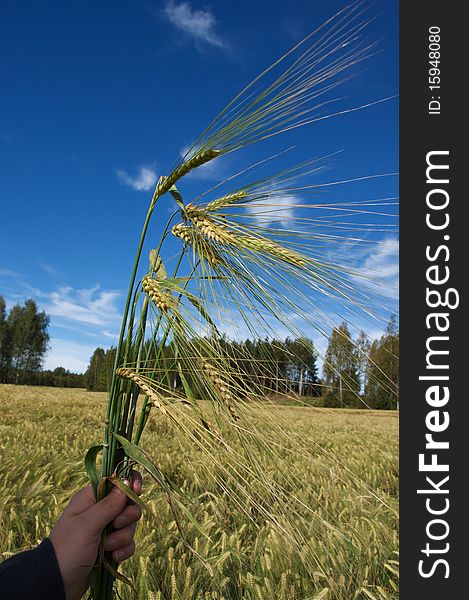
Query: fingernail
point(116, 556)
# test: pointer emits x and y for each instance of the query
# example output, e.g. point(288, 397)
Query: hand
point(77, 534)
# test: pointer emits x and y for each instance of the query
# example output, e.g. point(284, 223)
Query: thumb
point(106, 510)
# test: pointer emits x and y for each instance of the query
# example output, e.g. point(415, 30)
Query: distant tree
point(4, 342)
point(382, 389)
point(3, 313)
point(303, 366)
point(59, 377)
point(392, 327)
point(363, 347)
point(279, 366)
point(26, 341)
point(96, 374)
point(23, 343)
point(341, 369)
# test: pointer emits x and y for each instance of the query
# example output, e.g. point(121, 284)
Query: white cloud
point(379, 271)
point(142, 182)
point(279, 210)
point(10, 274)
point(199, 24)
point(76, 315)
point(69, 355)
point(111, 336)
point(91, 306)
point(50, 269)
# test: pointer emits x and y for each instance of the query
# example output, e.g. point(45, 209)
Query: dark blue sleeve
point(32, 575)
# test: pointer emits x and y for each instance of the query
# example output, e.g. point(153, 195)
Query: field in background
point(350, 483)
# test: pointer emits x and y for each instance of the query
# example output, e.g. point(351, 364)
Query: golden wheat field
point(350, 487)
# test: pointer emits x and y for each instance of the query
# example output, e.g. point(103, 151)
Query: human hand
point(77, 533)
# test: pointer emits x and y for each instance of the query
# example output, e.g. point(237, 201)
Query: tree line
point(355, 373)
point(270, 367)
point(361, 372)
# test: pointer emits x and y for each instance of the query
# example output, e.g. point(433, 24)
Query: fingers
point(114, 507)
point(105, 511)
point(124, 553)
point(121, 543)
point(120, 538)
point(130, 514)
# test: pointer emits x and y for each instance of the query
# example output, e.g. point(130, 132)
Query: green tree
point(303, 366)
point(382, 389)
point(4, 341)
point(3, 314)
point(96, 374)
point(26, 341)
point(363, 347)
point(341, 369)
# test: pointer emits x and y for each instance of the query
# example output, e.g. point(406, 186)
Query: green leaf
point(198, 305)
point(139, 456)
point(156, 265)
point(193, 401)
point(90, 466)
point(173, 284)
point(120, 577)
point(128, 491)
point(189, 515)
point(186, 386)
point(176, 194)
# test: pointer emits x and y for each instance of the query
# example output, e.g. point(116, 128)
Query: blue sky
point(99, 98)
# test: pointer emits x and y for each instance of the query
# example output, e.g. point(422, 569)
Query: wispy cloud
point(50, 269)
point(91, 306)
point(278, 210)
point(200, 24)
point(10, 274)
point(379, 271)
point(142, 182)
point(77, 315)
point(110, 335)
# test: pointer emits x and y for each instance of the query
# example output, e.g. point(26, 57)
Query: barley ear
point(226, 200)
point(146, 389)
point(163, 300)
point(195, 161)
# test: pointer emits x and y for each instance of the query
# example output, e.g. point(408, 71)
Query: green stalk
point(144, 411)
point(105, 580)
point(118, 423)
point(142, 419)
point(107, 457)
